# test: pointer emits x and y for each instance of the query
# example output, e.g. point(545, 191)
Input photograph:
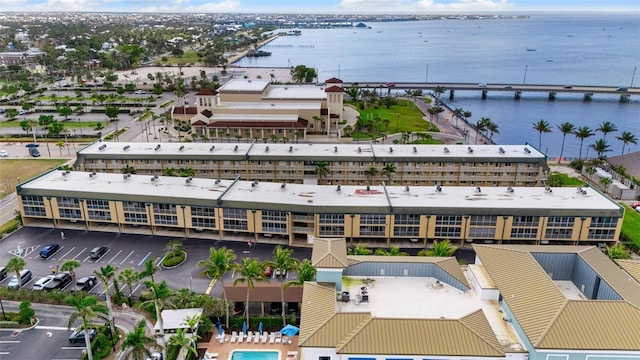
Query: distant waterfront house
point(257, 109)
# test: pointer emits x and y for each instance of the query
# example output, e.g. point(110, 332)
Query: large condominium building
point(256, 109)
point(380, 216)
point(515, 302)
point(346, 164)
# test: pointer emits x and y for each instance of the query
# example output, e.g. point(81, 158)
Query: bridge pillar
point(517, 95)
point(552, 95)
point(587, 96)
point(484, 94)
point(451, 94)
point(624, 98)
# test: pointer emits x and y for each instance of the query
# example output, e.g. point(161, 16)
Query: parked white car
point(4, 153)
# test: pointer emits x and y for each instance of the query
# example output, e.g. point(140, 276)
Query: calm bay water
point(570, 49)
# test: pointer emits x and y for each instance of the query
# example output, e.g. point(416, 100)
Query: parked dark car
point(87, 283)
point(280, 273)
point(59, 282)
point(49, 250)
point(34, 152)
point(32, 145)
point(77, 336)
point(3, 273)
point(97, 252)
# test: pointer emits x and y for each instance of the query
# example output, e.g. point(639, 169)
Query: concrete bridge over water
point(588, 91)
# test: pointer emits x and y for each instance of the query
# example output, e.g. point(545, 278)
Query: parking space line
point(80, 253)
point(9, 342)
point(51, 328)
point(211, 284)
point(67, 253)
point(125, 259)
point(144, 258)
point(136, 288)
point(161, 260)
point(114, 256)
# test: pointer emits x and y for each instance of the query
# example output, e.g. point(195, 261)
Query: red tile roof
point(199, 123)
point(205, 92)
point(181, 110)
point(333, 80)
point(300, 124)
point(334, 89)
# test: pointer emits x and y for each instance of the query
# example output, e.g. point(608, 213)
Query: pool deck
point(225, 348)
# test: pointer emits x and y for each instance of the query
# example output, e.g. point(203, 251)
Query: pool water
point(255, 355)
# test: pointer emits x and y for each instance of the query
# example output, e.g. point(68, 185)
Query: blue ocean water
point(570, 48)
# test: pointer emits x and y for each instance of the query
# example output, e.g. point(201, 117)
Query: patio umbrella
point(220, 331)
point(244, 326)
point(289, 330)
point(260, 327)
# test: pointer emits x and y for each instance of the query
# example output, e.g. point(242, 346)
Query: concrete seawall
point(243, 53)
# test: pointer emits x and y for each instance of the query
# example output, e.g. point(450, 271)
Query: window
point(68, 202)
point(233, 213)
point(444, 231)
point(139, 218)
point(407, 219)
point(203, 211)
point(165, 219)
point(274, 227)
point(482, 232)
point(35, 210)
point(270, 215)
point(134, 206)
point(164, 208)
point(525, 220)
point(231, 224)
point(328, 230)
point(66, 213)
point(558, 233)
point(448, 220)
point(524, 233)
point(99, 215)
point(373, 230)
point(200, 222)
point(331, 218)
point(483, 220)
point(98, 204)
point(604, 222)
point(560, 221)
point(373, 219)
point(407, 231)
point(602, 234)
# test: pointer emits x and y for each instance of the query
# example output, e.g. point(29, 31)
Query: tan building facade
point(346, 164)
point(380, 216)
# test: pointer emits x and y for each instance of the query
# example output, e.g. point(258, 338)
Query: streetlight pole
point(426, 79)
point(524, 80)
point(633, 76)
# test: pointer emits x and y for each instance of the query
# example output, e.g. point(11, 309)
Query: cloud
point(412, 6)
point(185, 6)
point(11, 2)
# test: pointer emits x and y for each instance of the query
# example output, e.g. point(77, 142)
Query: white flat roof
point(295, 92)
point(423, 298)
point(454, 200)
point(239, 85)
point(253, 117)
point(276, 105)
point(324, 151)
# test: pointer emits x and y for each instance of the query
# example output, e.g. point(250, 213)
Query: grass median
point(21, 170)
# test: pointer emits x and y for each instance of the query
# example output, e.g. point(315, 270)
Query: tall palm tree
point(306, 272)
point(370, 173)
point(15, 265)
point(128, 169)
point(70, 266)
point(136, 343)
point(458, 113)
point(322, 170)
point(283, 262)
point(541, 126)
point(161, 297)
point(492, 128)
point(627, 137)
point(565, 128)
point(481, 126)
point(606, 127)
point(606, 181)
point(583, 133)
point(180, 340)
point(169, 171)
point(187, 172)
point(388, 170)
point(601, 147)
point(86, 309)
point(216, 266)
point(106, 274)
point(150, 268)
point(249, 271)
point(129, 276)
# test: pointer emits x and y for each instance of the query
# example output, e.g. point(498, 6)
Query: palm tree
point(129, 276)
point(583, 133)
point(16, 265)
point(306, 272)
point(180, 340)
point(606, 127)
point(60, 145)
point(169, 171)
point(174, 247)
point(106, 274)
point(565, 128)
point(481, 126)
point(617, 251)
point(541, 126)
point(606, 181)
point(440, 248)
point(439, 90)
point(492, 128)
point(601, 147)
point(161, 297)
point(283, 262)
point(216, 266)
point(136, 343)
point(322, 170)
point(360, 249)
point(86, 308)
point(388, 170)
point(187, 172)
point(370, 173)
point(70, 266)
point(627, 137)
point(393, 251)
point(590, 171)
point(150, 268)
point(128, 169)
point(249, 271)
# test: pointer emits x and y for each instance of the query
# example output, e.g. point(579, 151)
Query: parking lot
point(126, 251)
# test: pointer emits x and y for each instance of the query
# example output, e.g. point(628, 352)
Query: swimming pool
point(254, 355)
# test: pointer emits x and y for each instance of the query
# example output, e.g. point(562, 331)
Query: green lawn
point(69, 124)
point(630, 233)
point(403, 117)
point(187, 58)
point(24, 169)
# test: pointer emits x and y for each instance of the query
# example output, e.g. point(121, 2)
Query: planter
point(178, 263)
